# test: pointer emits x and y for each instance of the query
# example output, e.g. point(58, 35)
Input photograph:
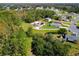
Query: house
point(21, 9)
point(52, 8)
point(37, 23)
point(48, 19)
point(56, 25)
point(41, 8)
point(16, 9)
point(64, 18)
point(8, 8)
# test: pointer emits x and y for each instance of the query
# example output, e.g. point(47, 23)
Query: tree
point(38, 45)
point(13, 40)
point(56, 17)
point(29, 32)
point(62, 31)
point(34, 15)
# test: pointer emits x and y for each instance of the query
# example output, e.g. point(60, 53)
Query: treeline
point(72, 8)
point(14, 41)
point(33, 15)
point(47, 45)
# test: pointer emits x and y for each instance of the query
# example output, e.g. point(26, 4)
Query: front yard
point(48, 26)
point(65, 24)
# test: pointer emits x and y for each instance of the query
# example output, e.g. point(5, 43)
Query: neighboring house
point(29, 8)
point(37, 23)
point(52, 9)
point(39, 8)
point(16, 9)
point(64, 18)
point(8, 8)
point(21, 9)
point(71, 14)
point(56, 25)
point(48, 19)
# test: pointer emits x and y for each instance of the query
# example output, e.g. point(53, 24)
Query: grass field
point(68, 23)
point(77, 24)
point(47, 26)
point(25, 26)
point(64, 25)
point(44, 31)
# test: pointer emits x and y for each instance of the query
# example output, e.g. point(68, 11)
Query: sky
point(39, 1)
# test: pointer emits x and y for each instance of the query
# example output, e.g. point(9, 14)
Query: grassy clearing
point(44, 31)
point(68, 23)
point(64, 25)
point(25, 26)
point(48, 26)
point(69, 33)
point(77, 24)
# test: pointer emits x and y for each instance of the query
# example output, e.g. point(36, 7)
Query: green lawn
point(44, 31)
point(25, 26)
point(68, 23)
point(64, 25)
point(47, 26)
point(77, 24)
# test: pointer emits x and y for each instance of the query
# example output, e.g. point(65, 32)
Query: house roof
point(48, 18)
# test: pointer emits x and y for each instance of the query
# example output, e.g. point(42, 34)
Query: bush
point(62, 31)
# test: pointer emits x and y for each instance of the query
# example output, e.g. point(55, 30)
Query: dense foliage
point(49, 46)
point(34, 15)
point(71, 8)
point(13, 40)
point(18, 38)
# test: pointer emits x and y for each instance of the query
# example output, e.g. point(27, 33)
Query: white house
point(48, 19)
point(52, 8)
point(37, 23)
point(16, 9)
point(39, 8)
point(8, 8)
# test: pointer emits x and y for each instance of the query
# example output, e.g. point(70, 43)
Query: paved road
point(72, 27)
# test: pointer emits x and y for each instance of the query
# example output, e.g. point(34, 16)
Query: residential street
point(73, 26)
